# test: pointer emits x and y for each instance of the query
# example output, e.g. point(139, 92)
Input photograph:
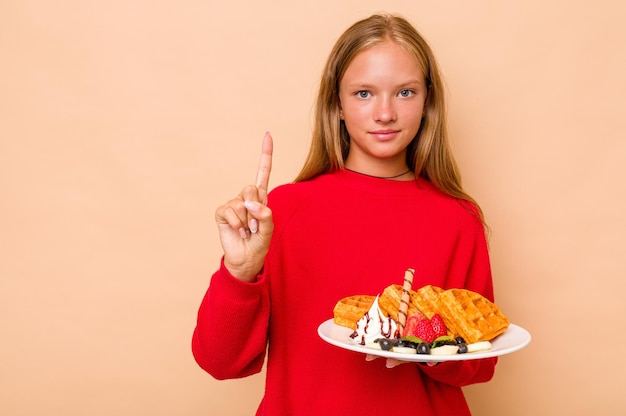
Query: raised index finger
point(265, 167)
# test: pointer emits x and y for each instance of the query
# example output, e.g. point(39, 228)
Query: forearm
point(230, 337)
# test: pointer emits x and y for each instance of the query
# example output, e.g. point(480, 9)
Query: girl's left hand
point(390, 363)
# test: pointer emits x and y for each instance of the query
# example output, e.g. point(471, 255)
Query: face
point(382, 96)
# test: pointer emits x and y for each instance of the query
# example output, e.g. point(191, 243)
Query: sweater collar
point(377, 185)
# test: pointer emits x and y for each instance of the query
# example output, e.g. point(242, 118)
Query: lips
point(383, 135)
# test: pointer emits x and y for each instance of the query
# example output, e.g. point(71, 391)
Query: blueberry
point(385, 344)
point(406, 343)
point(459, 340)
point(462, 348)
point(423, 348)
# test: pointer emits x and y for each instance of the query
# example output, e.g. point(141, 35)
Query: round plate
point(513, 339)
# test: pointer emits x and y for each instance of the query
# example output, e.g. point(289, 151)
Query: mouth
point(386, 134)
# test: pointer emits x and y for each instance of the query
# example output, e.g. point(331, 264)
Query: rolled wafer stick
point(405, 299)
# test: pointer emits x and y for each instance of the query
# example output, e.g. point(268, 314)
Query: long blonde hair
point(429, 154)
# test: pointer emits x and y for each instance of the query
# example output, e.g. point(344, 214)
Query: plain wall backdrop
point(124, 124)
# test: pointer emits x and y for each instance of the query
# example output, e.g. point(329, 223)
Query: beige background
point(123, 124)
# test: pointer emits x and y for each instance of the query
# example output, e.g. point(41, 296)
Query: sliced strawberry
point(411, 323)
point(425, 331)
point(436, 322)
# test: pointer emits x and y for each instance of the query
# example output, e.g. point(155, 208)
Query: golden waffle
point(464, 312)
point(471, 315)
point(389, 301)
point(352, 308)
point(427, 300)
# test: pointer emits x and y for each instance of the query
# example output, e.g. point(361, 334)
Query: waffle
point(390, 301)
point(352, 308)
point(465, 313)
point(427, 300)
point(471, 315)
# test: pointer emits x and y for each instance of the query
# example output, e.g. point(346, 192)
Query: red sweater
point(338, 235)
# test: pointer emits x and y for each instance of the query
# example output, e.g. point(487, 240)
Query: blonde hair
point(429, 154)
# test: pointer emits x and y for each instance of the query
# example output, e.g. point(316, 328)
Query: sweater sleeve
point(462, 373)
point(230, 337)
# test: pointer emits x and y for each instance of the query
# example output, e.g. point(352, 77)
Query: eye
point(363, 94)
point(406, 93)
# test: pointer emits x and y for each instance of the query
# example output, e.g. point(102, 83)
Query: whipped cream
point(373, 325)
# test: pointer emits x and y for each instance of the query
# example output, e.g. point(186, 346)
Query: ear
point(340, 111)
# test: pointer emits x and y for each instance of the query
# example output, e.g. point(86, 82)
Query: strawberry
point(436, 322)
point(411, 323)
point(425, 331)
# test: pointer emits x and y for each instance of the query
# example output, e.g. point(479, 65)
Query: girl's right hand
point(245, 223)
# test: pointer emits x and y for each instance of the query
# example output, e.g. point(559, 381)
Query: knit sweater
point(337, 235)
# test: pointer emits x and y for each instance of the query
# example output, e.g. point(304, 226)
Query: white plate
point(513, 339)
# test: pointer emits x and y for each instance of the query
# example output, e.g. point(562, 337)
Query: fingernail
point(389, 365)
point(243, 233)
point(252, 206)
point(254, 225)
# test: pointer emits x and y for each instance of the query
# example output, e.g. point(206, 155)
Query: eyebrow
point(401, 84)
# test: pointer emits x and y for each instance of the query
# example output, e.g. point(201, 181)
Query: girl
point(379, 193)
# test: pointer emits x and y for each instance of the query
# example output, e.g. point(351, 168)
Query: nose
point(384, 111)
